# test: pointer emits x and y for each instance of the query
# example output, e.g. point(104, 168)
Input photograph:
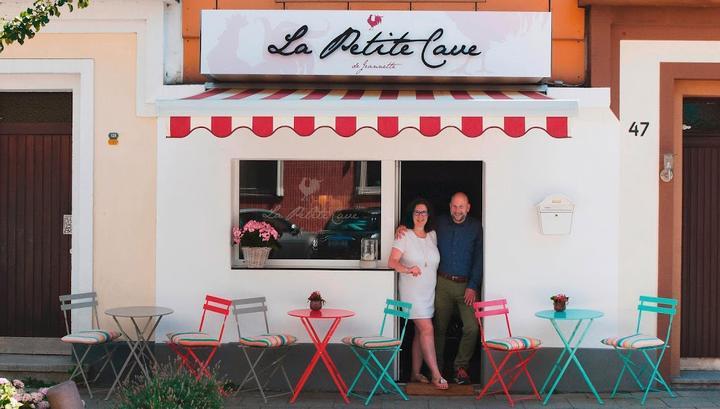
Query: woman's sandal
point(418, 377)
point(440, 384)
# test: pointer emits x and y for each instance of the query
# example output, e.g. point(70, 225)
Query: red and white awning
point(264, 111)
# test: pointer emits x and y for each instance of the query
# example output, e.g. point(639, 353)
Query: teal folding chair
point(626, 346)
point(365, 349)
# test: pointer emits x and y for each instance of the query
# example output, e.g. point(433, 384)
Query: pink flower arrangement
point(14, 396)
point(256, 234)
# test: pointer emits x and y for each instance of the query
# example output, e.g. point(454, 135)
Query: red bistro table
point(306, 315)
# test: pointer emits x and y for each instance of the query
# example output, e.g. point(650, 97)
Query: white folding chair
point(261, 344)
point(89, 338)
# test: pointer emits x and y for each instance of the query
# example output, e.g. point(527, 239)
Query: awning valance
point(388, 112)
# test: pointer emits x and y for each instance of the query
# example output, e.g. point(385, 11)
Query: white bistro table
point(139, 345)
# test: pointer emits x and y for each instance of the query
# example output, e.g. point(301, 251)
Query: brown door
point(35, 193)
point(700, 336)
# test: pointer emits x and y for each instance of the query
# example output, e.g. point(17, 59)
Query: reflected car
point(294, 242)
point(340, 239)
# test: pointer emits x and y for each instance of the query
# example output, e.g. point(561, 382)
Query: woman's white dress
point(420, 290)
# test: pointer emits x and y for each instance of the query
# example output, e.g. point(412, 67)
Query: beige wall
point(125, 174)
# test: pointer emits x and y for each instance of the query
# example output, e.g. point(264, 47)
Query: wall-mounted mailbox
point(555, 213)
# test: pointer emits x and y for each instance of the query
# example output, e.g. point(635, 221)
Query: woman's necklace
point(423, 248)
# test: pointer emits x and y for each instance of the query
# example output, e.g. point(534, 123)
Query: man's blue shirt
point(461, 249)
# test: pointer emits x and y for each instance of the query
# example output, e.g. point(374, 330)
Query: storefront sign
point(487, 45)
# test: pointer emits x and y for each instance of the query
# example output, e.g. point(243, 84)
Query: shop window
point(322, 209)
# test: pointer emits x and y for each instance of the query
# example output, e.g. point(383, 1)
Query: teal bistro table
point(570, 346)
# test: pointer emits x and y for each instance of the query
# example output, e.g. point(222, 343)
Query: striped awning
point(223, 111)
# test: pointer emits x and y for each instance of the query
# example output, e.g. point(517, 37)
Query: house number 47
point(639, 128)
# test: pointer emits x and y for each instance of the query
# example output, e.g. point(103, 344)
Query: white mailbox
point(555, 213)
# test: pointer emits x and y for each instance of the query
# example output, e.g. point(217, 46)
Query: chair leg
point(654, 375)
point(384, 375)
point(107, 358)
point(254, 374)
point(627, 366)
point(363, 367)
point(521, 367)
point(497, 376)
point(79, 367)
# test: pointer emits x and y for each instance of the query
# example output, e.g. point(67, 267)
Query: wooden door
point(700, 335)
point(35, 193)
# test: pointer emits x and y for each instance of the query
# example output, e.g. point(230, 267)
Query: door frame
point(76, 76)
point(677, 80)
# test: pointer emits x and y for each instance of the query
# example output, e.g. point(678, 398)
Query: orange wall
point(568, 25)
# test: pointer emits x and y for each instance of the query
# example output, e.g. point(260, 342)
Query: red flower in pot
point(559, 302)
point(316, 301)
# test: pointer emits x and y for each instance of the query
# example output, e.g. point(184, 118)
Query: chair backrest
point(657, 305)
point(70, 302)
point(399, 309)
point(249, 306)
point(488, 309)
point(216, 305)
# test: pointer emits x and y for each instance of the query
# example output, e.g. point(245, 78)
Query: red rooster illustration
point(374, 19)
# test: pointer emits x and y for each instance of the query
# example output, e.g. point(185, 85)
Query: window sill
point(320, 267)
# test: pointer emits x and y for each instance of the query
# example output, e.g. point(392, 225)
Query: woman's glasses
point(420, 212)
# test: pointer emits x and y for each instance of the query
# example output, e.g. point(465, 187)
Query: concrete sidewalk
point(685, 399)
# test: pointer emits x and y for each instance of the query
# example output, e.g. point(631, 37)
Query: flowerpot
point(316, 305)
point(559, 306)
point(255, 257)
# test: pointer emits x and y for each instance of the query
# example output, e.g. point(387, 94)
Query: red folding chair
point(184, 343)
point(524, 348)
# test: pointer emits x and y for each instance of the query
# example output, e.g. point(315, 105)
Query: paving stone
point(696, 399)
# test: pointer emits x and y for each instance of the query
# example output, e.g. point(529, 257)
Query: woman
point(415, 256)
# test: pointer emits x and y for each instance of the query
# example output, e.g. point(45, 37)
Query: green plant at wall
point(29, 22)
point(171, 388)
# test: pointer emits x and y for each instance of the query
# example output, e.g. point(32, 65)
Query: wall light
point(666, 174)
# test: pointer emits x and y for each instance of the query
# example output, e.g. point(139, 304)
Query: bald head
point(459, 196)
point(459, 207)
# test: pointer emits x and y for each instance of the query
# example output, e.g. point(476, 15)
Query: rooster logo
point(373, 20)
point(309, 186)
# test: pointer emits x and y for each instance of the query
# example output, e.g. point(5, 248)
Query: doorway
point(35, 205)
point(437, 181)
point(700, 312)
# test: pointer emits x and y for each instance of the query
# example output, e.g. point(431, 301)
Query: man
point(460, 241)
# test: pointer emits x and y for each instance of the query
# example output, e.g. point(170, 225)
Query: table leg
point(556, 365)
point(133, 346)
point(571, 357)
point(145, 339)
point(320, 352)
point(329, 363)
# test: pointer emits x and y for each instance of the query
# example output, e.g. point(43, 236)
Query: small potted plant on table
point(559, 302)
point(316, 301)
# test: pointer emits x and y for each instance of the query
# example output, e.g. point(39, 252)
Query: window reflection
point(322, 209)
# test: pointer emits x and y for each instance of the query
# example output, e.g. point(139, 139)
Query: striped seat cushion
point(193, 339)
point(97, 336)
point(371, 342)
point(268, 340)
point(513, 343)
point(634, 341)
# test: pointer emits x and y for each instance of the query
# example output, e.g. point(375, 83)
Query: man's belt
point(457, 279)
